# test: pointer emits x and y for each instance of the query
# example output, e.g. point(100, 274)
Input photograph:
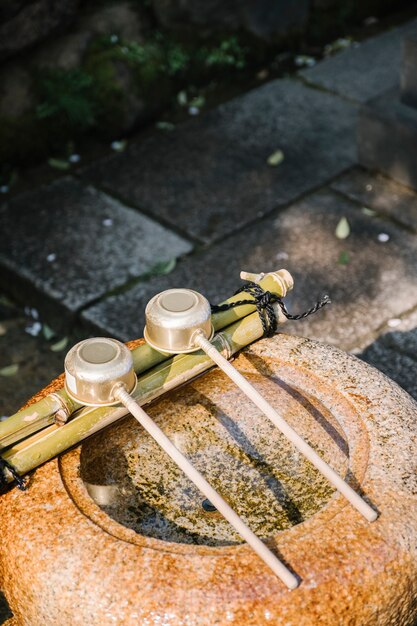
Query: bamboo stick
point(301, 445)
point(258, 546)
point(42, 414)
point(53, 440)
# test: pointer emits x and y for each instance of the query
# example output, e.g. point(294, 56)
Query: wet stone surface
point(210, 176)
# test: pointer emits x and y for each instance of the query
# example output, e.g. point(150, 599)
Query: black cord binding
point(263, 302)
point(21, 483)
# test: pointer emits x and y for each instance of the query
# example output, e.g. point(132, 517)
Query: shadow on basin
point(109, 483)
point(262, 367)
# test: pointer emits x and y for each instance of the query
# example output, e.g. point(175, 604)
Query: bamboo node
point(63, 412)
point(225, 347)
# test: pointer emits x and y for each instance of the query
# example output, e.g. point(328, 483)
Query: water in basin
point(239, 451)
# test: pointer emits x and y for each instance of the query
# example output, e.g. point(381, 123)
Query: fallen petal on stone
point(394, 322)
point(368, 211)
point(9, 370)
point(342, 229)
point(59, 164)
point(119, 146)
point(275, 158)
point(60, 345)
point(33, 329)
point(47, 331)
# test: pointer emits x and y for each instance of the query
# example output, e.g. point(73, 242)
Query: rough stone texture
point(210, 176)
point(365, 71)
point(381, 194)
point(263, 18)
point(395, 353)
point(387, 137)
point(68, 220)
point(409, 71)
point(85, 567)
point(27, 23)
point(379, 282)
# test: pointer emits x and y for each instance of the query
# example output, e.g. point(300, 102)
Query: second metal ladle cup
point(178, 320)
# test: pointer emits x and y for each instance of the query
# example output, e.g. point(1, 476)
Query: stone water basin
point(113, 532)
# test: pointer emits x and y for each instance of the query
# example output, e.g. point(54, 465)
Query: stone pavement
point(363, 72)
point(72, 244)
point(193, 206)
point(210, 177)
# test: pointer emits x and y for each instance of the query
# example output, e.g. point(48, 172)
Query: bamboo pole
point(53, 440)
point(42, 414)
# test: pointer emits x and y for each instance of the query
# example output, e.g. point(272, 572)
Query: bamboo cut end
point(281, 281)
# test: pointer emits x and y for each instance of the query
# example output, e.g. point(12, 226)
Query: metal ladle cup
point(178, 320)
point(95, 368)
point(172, 319)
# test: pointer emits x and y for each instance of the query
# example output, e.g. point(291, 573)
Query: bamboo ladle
point(178, 320)
point(99, 372)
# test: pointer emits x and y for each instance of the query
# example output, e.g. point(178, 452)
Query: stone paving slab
point(71, 244)
point(408, 71)
point(387, 137)
point(362, 72)
point(381, 194)
point(210, 176)
point(395, 353)
point(379, 282)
